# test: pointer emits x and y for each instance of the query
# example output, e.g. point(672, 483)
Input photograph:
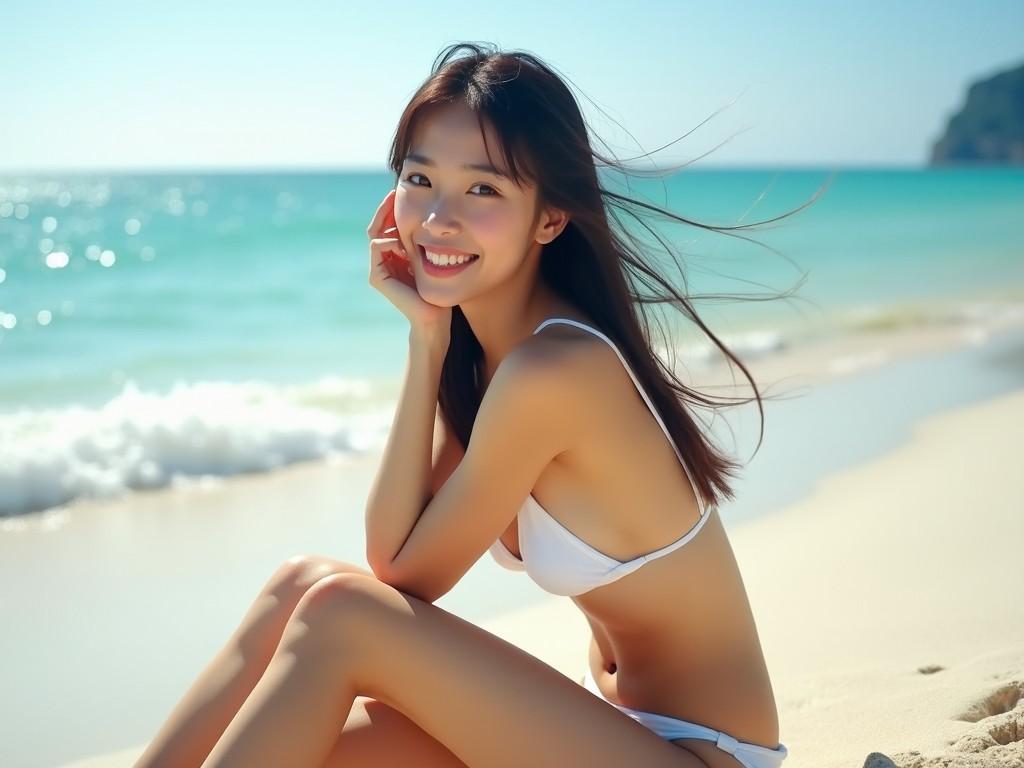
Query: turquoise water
point(155, 327)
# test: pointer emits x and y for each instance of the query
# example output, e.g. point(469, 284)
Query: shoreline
point(226, 432)
point(811, 363)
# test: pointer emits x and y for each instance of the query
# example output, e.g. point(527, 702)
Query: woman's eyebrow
point(485, 167)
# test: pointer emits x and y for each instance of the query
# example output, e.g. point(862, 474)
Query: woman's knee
point(299, 573)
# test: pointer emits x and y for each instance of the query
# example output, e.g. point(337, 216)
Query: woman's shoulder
point(572, 364)
point(584, 369)
point(559, 347)
point(540, 392)
point(576, 347)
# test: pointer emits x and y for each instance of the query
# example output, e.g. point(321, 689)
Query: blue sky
point(204, 85)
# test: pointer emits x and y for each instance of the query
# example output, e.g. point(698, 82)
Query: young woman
point(535, 422)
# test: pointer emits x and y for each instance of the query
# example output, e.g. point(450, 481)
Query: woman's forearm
point(401, 489)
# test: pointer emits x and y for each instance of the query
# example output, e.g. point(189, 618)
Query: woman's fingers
point(384, 218)
point(388, 260)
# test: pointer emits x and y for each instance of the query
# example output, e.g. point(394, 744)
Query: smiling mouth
point(451, 264)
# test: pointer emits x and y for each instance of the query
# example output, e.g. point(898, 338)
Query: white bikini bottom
point(669, 728)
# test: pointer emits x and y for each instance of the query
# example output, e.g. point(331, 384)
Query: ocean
point(163, 329)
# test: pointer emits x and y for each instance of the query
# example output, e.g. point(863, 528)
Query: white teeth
point(444, 259)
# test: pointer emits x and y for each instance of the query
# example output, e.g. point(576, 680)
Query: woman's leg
point(202, 715)
point(378, 735)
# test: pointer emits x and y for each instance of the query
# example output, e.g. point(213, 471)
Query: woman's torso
point(678, 632)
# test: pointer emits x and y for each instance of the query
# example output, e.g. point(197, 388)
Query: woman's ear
point(552, 222)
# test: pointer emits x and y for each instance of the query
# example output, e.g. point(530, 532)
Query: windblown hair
point(595, 262)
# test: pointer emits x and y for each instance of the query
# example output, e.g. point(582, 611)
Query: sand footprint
point(1000, 720)
point(997, 739)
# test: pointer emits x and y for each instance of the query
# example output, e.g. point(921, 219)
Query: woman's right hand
point(392, 274)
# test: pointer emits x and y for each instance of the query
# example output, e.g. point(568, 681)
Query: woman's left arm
point(531, 412)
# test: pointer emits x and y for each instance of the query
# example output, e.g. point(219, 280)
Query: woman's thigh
point(376, 734)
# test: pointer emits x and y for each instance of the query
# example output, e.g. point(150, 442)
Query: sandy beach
point(886, 598)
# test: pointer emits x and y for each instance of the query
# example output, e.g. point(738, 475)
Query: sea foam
point(146, 440)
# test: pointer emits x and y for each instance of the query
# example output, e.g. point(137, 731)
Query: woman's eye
point(493, 192)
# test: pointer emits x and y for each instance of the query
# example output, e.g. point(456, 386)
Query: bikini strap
point(643, 394)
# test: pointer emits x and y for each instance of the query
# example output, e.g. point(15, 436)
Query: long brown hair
point(544, 139)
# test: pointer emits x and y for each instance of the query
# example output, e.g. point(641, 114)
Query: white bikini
point(563, 564)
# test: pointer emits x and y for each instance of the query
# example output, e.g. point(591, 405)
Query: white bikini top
point(553, 556)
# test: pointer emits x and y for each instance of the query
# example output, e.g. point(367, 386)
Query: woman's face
point(440, 202)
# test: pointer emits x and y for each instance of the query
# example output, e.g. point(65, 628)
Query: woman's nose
point(440, 224)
